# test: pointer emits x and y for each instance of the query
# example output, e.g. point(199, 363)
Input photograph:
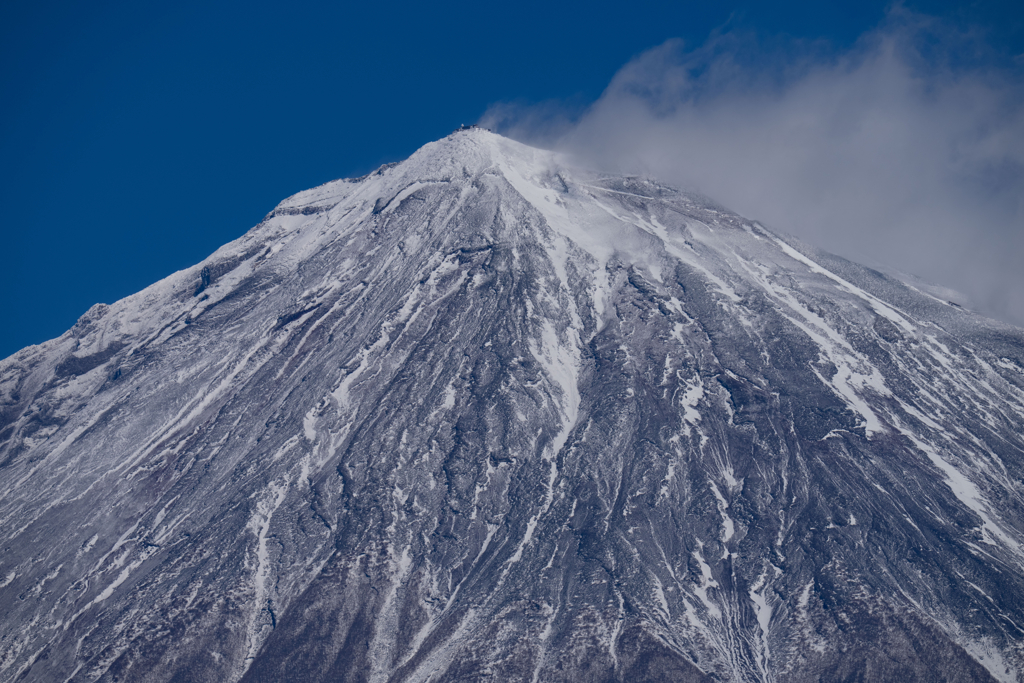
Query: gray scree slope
point(482, 416)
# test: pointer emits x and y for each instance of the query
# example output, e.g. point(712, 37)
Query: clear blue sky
point(136, 138)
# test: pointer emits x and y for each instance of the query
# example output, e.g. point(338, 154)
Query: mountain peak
point(483, 414)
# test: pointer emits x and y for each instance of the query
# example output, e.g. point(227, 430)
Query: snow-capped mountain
point(484, 416)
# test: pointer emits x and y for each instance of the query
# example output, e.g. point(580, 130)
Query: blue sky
point(135, 140)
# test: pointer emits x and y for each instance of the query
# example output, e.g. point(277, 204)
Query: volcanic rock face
point(479, 416)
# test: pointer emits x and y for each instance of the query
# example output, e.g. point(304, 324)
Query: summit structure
point(484, 416)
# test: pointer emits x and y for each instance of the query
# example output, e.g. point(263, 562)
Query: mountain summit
point(480, 415)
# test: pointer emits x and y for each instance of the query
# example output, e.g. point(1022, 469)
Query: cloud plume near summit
point(906, 149)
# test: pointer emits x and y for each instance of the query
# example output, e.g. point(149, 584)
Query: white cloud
point(907, 149)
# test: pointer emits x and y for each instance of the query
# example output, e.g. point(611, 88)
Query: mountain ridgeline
point(482, 415)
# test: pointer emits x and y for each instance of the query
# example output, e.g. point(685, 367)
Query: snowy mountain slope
point(480, 415)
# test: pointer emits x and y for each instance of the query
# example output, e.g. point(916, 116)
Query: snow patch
point(706, 581)
point(764, 617)
point(728, 527)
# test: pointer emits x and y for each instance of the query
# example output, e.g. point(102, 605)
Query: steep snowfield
point(482, 415)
